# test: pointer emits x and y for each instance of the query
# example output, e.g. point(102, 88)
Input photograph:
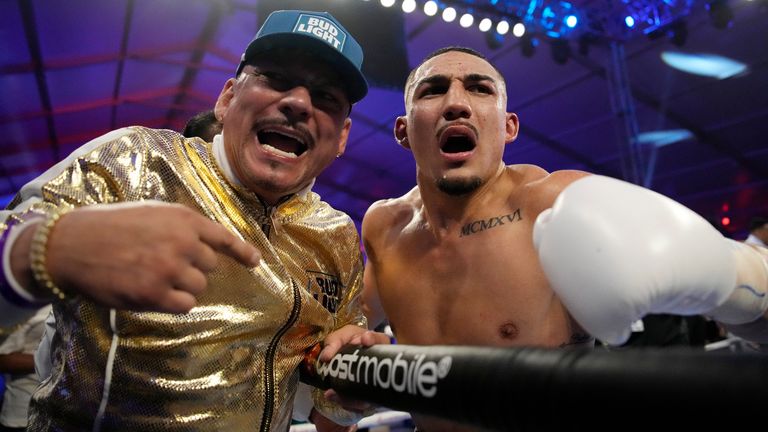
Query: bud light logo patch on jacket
point(326, 289)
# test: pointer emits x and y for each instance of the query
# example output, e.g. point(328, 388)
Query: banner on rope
point(522, 389)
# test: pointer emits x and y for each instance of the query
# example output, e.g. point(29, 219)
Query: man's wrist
point(38, 251)
point(11, 290)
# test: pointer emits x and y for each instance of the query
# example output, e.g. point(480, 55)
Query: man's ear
point(342, 145)
point(401, 132)
point(224, 99)
point(513, 126)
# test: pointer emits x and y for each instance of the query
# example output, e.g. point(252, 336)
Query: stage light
point(466, 20)
point(528, 45)
point(387, 3)
point(449, 14)
point(571, 21)
point(502, 27)
point(409, 6)
point(720, 14)
point(485, 24)
point(430, 8)
point(725, 221)
point(560, 50)
point(661, 138)
point(678, 33)
point(584, 41)
point(629, 21)
point(518, 30)
point(710, 65)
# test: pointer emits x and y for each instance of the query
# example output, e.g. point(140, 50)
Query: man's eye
point(433, 90)
point(274, 79)
point(326, 96)
point(480, 88)
point(326, 100)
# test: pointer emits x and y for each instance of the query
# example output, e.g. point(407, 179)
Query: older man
point(187, 277)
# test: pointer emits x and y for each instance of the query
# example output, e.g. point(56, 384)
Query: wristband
point(38, 249)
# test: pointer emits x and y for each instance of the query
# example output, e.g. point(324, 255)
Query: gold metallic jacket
point(228, 365)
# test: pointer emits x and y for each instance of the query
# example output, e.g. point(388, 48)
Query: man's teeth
point(279, 152)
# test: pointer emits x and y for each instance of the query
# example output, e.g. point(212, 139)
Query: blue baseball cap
point(319, 32)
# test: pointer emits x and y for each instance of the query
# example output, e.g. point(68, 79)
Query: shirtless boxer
point(462, 259)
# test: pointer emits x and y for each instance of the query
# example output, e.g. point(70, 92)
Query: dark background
point(70, 71)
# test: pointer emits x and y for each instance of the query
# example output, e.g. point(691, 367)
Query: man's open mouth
point(457, 144)
point(457, 138)
point(282, 142)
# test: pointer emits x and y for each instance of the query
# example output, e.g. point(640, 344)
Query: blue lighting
point(664, 137)
point(556, 19)
point(4, 200)
point(710, 65)
point(629, 21)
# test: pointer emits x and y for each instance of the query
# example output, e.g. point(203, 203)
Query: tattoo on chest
point(477, 226)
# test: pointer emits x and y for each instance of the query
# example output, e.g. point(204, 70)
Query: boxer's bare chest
point(478, 284)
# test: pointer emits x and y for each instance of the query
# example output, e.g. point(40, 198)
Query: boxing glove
point(614, 252)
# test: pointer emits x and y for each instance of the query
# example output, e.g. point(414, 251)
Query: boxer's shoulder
point(391, 214)
point(543, 190)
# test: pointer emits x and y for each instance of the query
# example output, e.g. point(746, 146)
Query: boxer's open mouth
point(457, 144)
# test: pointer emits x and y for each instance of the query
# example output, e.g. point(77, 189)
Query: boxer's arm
point(371, 302)
point(745, 312)
point(614, 252)
point(371, 228)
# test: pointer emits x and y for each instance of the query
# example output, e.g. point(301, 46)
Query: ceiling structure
point(70, 71)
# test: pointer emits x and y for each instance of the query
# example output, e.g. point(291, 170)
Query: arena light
point(430, 8)
point(502, 27)
point(551, 19)
point(720, 14)
point(663, 138)
point(678, 33)
point(518, 30)
point(408, 6)
point(466, 20)
point(449, 14)
point(560, 50)
point(584, 41)
point(709, 65)
point(485, 25)
point(528, 45)
point(629, 20)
